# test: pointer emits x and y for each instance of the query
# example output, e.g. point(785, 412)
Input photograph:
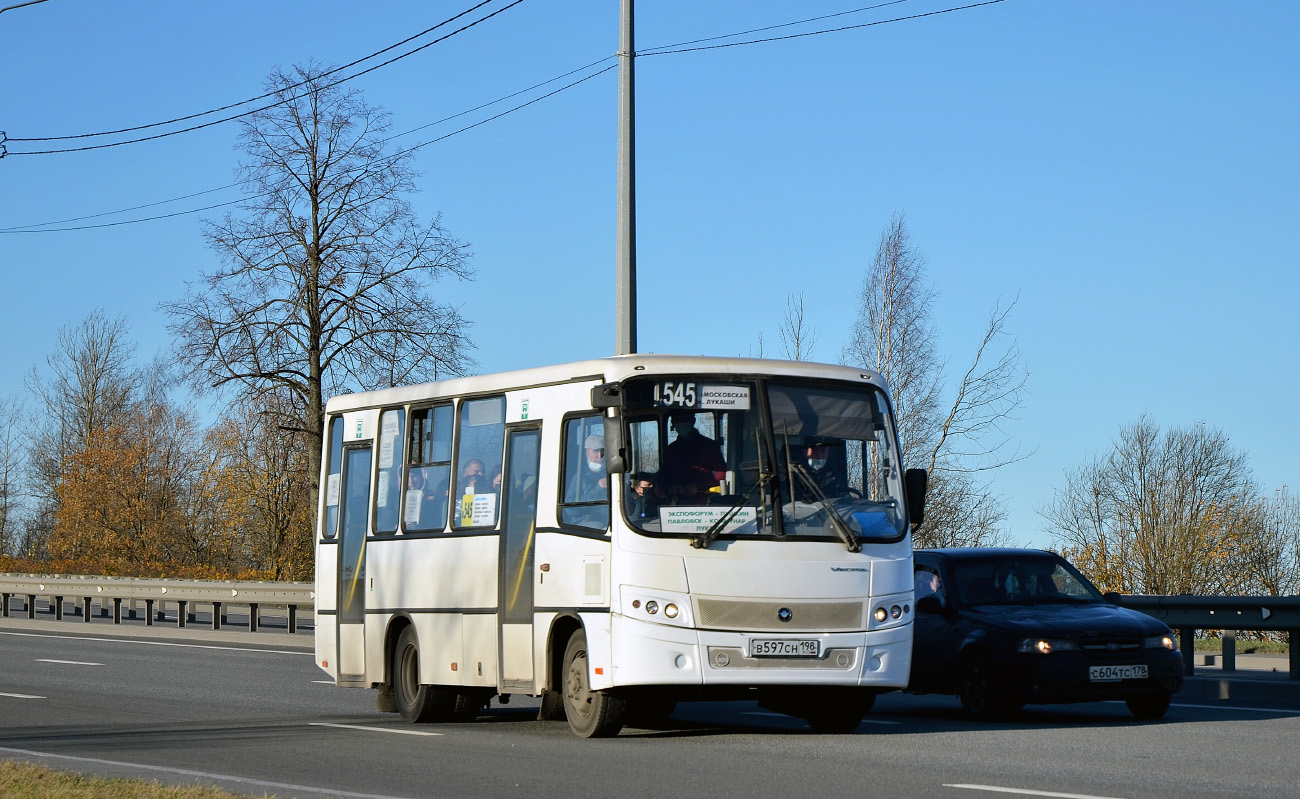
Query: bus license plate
point(785, 647)
point(1117, 673)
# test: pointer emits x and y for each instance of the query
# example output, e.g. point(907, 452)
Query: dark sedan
point(1002, 628)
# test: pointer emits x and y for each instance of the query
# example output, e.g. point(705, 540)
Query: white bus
point(615, 535)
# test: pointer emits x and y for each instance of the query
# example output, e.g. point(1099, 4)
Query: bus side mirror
point(607, 395)
point(914, 483)
point(615, 447)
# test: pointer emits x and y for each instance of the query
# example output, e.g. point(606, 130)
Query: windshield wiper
point(710, 535)
point(837, 521)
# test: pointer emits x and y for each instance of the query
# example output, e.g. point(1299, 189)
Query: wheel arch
point(562, 629)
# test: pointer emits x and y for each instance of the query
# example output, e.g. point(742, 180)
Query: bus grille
point(733, 657)
point(733, 614)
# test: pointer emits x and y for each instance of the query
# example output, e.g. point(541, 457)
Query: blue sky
point(1129, 170)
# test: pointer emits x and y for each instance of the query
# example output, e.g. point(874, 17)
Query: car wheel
point(979, 695)
point(591, 714)
point(1148, 706)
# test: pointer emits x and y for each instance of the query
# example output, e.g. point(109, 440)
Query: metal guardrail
point(114, 590)
point(1188, 613)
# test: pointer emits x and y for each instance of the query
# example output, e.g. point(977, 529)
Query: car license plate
point(785, 647)
point(1116, 673)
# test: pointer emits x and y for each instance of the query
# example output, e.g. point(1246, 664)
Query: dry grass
point(26, 781)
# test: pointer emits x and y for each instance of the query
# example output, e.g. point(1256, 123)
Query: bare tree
point(87, 388)
point(798, 338)
point(1160, 513)
point(11, 465)
point(893, 334)
point(1269, 553)
point(327, 273)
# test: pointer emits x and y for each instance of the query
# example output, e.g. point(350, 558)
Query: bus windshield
point(726, 457)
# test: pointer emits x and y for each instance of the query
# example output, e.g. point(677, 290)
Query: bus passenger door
point(519, 488)
point(355, 514)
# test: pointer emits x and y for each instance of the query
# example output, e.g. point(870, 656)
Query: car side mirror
point(929, 604)
point(914, 483)
point(1112, 597)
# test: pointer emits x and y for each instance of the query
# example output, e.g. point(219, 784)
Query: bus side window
point(478, 462)
point(331, 488)
point(585, 498)
point(388, 490)
point(428, 472)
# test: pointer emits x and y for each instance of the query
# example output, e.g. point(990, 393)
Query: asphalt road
point(255, 718)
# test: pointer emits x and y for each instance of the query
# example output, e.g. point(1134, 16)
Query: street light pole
point(625, 227)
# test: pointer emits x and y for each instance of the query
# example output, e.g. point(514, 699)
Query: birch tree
point(955, 431)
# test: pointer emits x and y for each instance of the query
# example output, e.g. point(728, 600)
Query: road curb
point(1243, 689)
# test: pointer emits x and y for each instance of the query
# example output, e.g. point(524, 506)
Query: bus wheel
point(415, 702)
point(591, 714)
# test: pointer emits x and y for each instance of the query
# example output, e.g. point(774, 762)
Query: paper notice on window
point(389, 425)
point(695, 520)
point(387, 445)
point(381, 495)
point(412, 512)
point(478, 510)
point(332, 490)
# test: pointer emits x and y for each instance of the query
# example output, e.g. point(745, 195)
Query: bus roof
point(610, 369)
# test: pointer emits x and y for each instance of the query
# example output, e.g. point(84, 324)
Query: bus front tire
point(591, 714)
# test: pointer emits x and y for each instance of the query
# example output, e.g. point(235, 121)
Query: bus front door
point(355, 515)
point(523, 456)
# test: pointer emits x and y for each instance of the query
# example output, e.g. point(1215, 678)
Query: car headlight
point(1160, 642)
point(1046, 646)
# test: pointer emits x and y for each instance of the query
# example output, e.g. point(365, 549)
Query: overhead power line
point(232, 117)
point(681, 49)
point(651, 50)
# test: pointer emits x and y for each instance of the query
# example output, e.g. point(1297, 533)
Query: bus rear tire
point(591, 714)
point(415, 702)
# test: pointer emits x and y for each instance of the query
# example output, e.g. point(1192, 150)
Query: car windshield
point(728, 457)
point(1021, 579)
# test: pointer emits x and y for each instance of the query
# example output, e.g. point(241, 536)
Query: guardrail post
point(117, 610)
point(85, 608)
point(293, 619)
point(217, 616)
point(193, 615)
point(148, 613)
point(31, 606)
point(5, 605)
point(180, 613)
point(1187, 643)
point(1229, 650)
point(130, 608)
point(1293, 639)
point(162, 610)
point(252, 617)
point(58, 608)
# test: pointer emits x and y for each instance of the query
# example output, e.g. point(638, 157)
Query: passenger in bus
point(641, 498)
point(693, 464)
point(426, 507)
point(474, 477)
point(593, 483)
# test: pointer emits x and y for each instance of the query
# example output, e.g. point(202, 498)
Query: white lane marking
point(68, 662)
point(21, 696)
point(784, 716)
point(374, 729)
point(201, 774)
point(1027, 791)
point(159, 643)
point(323, 682)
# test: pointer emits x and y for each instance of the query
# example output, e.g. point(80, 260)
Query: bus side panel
point(376, 627)
point(577, 572)
point(600, 655)
point(442, 574)
point(441, 648)
point(327, 600)
point(480, 654)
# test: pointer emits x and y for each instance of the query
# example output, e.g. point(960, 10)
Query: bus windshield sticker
point(695, 520)
point(673, 394)
point(725, 397)
point(332, 491)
